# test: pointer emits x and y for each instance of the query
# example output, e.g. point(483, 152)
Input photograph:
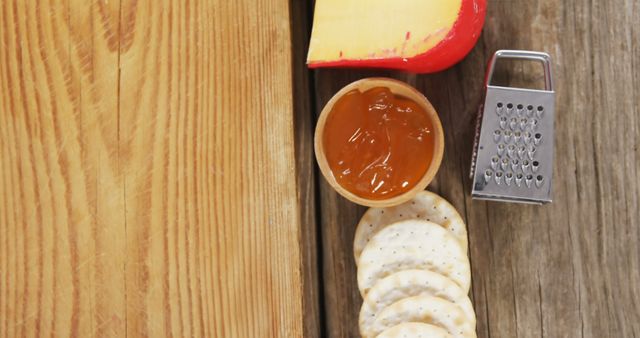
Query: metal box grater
point(513, 151)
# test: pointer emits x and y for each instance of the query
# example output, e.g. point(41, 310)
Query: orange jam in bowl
point(378, 142)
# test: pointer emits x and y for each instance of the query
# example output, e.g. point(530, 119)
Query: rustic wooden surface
point(306, 171)
point(147, 171)
point(133, 201)
point(569, 269)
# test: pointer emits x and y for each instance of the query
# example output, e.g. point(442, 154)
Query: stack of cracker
point(413, 271)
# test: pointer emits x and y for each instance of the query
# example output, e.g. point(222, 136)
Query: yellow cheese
point(374, 29)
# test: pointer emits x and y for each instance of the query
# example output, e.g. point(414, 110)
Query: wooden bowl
point(398, 88)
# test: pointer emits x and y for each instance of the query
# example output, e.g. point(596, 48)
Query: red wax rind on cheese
point(454, 47)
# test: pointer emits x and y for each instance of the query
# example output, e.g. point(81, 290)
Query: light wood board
point(148, 170)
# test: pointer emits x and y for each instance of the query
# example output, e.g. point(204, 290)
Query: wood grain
point(148, 170)
point(306, 171)
point(62, 207)
point(569, 269)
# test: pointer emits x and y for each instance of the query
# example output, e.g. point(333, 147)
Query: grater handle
point(523, 55)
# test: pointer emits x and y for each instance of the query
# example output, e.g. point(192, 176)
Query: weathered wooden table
point(157, 175)
point(569, 269)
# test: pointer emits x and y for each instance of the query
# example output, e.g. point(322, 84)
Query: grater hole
point(512, 147)
point(540, 108)
point(519, 176)
point(505, 160)
point(525, 163)
point(500, 146)
point(538, 136)
point(510, 105)
point(529, 107)
point(497, 132)
point(515, 161)
point(539, 177)
point(503, 119)
point(536, 163)
point(509, 175)
point(495, 159)
point(499, 174)
point(529, 177)
point(488, 172)
point(499, 105)
point(520, 106)
point(517, 134)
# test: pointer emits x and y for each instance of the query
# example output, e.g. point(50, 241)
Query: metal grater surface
point(513, 151)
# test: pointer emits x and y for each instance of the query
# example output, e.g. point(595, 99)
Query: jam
point(378, 145)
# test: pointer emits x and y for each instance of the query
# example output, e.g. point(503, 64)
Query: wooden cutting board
point(147, 170)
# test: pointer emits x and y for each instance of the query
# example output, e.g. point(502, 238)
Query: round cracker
point(410, 283)
point(426, 206)
point(426, 309)
point(414, 330)
point(413, 244)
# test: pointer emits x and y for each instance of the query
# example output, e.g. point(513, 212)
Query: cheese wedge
point(394, 34)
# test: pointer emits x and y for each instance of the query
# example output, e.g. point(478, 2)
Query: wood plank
point(61, 201)
point(305, 164)
point(212, 214)
point(146, 164)
point(569, 269)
